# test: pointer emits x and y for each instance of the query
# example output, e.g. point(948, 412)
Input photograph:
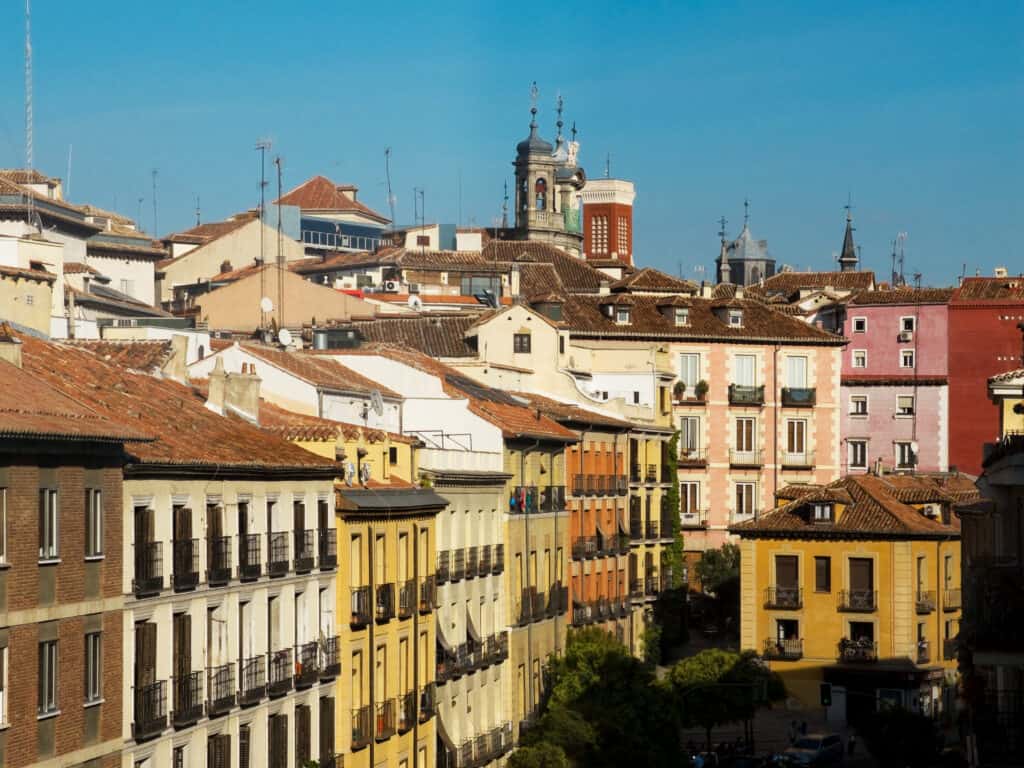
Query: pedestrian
point(792, 732)
point(698, 761)
point(851, 743)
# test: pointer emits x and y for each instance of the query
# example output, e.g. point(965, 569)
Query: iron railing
point(785, 598)
point(692, 457)
point(281, 670)
point(693, 518)
point(250, 565)
point(252, 680)
point(186, 564)
point(651, 475)
point(652, 529)
point(218, 569)
point(384, 604)
point(524, 501)
point(924, 652)
point(327, 553)
point(925, 602)
point(149, 569)
point(584, 547)
point(360, 599)
point(407, 711)
point(406, 598)
point(485, 561)
point(384, 720)
point(361, 733)
point(330, 658)
point(428, 702)
point(304, 550)
point(149, 712)
point(458, 564)
point(307, 664)
point(188, 699)
point(499, 559)
point(797, 460)
point(220, 689)
point(428, 594)
point(745, 395)
point(858, 650)
point(751, 458)
point(786, 649)
point(952, 600)
point(472, 562)
point(443, 567)
point(798, 397)
point(858, 600)
point(277, 553)
point(552, 498)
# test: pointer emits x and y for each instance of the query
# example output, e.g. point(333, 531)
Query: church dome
point(534, 144)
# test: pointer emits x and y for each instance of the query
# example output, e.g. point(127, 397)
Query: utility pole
point(280, 251)
point(262, 146)
point(156, 229)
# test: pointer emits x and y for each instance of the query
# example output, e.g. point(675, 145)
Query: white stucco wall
point(138, 272)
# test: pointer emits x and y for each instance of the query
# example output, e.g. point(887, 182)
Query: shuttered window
point(786, 570)
point(145, 653)
point(861, 573)
point(326, 728)
point(218, 751)
point(302, 735)
point(278, 741)
point(243, 746)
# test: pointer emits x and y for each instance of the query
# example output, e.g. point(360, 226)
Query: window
point(796, 436)
point(540, 190)
point(745, 375)
point(48, 524)
point(127, 287)
point(392, 455)
point(93, 522)
point(622, 235)
point(3, 685)
point(796, 372)
point(745, 498)
point(736, 318)
point(860, 325)
point(860, 358)
point(906, 358)
point(636, 397)
point(93, 667)
point(822, 512)
point(521, 343)
point(622, 315)
point(218, 751)
point(689, 497)
point(823, 574)
point(908, 324)
point(689, 369)
point(745, 435)
point(682, 316)
point(30, 299)
point(423, 241)
point(599, 234)
point(561, 345)
point(857, 452)
point(904, 405)
point(47, 678)
point(179, 756)
point(858, 405)
point(243, 745)
point(905, 458)
point(689, 435)
point(3, 527)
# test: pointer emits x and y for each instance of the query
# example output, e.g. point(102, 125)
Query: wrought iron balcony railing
point(745, 395)
point(277, 553)
point(281, 671)
point(858, 650)
point(250, 565)
point(330, 658)
point(304, 556)
point(443, 567)
point(858, 600)
point(327, 542)
point(385, 603)
point(252, 680)
point(384, 720)
point(149, 710)
point(218, 570)
point(361, 725)
point(693, 518)
point(307, 664)
point(188, 699)
point(925, 602)
point(428, 594)
point(785, 649)
point(746, 458)
point(360, 600)
point(220, 689)
point(186, 564)
point(149, 571)
point(952, 600)
point(785, 598)
point(798, 397)
point(406, 598)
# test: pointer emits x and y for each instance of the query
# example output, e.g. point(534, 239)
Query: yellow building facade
point(857, 583)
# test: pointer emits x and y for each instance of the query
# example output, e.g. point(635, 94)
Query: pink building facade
point(895, 392)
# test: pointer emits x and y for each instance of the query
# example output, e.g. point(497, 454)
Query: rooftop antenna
point(558, 122)
point(572, 131)
point(608, 165)
point(156, 229)
point(138, 219)
point(29, 161)
point(901, 238)
point(459, 218)
point(280, 250)
point(504, 208)
point(67, 179)
point(387, 176)
point(262, 145)
point(534, 93)
point(198, 222)
point(746, 212)
point(721, 228)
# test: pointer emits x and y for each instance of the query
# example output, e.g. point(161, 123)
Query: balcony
point(458, 557)
point(307, 664)
point(740, 515)
point(634, 473)
point(185, 575)
point(277, 553)
point(218, 571)
point(445, 664)
point(636, 528)
point(149, 569)
point(784, 598)
point(652, 530)
point(552, 498)
point(858, 600)
point(149, 713)
point(558, 599)
point(360, 607)
point(797, 461)
point(485, 561)
point(327, 548)
point(472, 562)
point(636, 589)
point(252, 683)
point(858, 651)
point(384, 721)
point(428, 702)
point(330, 658)
point(304, 550)
point(924, 652)
point(692, 458)
point(745, 395)
point(361, 718)
point(693, 519)
point(220, 689)
point(745, 459)
point(527, 606)
point(579, 487)
point(798, 397)
point(407, 599)
point(651, 473)
point(784, 649)
point(495, 649)
point(651, 586)
point(428, 595)
point(188, 699)
point(407, 711)
point(584, 547)
point(281, 670)
point(525, 501)
point(249, 560)
point(952, 600)
point(443, 567)
point(621, 485)
point(499, 559)
point(666, 579)
point(925, 602)
point(384, 603)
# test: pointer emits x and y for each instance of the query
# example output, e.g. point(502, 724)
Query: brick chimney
point(235, 393)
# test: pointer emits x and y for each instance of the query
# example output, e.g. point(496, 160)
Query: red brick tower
point(608, 220)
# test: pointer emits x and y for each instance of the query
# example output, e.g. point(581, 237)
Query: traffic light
point(826, 694)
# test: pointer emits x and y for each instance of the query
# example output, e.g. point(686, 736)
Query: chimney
point(513, 279)
point(10, 346)
point(176, 367)
point(605, 288)
point(739, 291)
point(243, 393)
point(705, 290)
point(218, 384)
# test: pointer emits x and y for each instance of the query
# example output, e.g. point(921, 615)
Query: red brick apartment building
point(60, 575)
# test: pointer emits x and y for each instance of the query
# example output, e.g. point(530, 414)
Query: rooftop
point(321, 194)
point(650, 279)
point(791, 283)
point(989, 289)
point(320, 371)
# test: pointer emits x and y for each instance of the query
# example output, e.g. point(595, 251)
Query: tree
point(717, 687)
point(719, 569)
point(651, 639)
point(539, 755)
point(674, 552)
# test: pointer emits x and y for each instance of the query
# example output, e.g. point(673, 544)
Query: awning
point(442, 642)
point(470, 629)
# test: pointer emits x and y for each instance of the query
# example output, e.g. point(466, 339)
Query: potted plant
point(679, 390)
point(701, 389)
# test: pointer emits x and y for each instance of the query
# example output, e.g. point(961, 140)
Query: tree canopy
point(719, 569)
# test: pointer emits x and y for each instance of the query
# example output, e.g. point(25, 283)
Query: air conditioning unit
point(414, 287)
point(391, 286)
point(906, 336)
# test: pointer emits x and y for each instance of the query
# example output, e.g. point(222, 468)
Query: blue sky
point(913, 109)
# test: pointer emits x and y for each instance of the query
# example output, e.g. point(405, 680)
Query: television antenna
point(387, 176)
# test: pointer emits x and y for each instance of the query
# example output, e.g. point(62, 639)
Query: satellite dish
point(266, 304)
point(350, 472)
point(364, 473)
point(415, 302)
point(913, 447)
point(377, 402)
point(285, 337)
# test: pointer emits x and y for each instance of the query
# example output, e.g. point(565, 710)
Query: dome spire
point(848, 259)
point(534, 93)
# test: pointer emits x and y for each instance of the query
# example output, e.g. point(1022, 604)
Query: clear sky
point(915, 110)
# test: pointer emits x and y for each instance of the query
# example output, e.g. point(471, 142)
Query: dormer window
point(682, 316)
point(822, 511)
point(622, 315)
point(735, 318)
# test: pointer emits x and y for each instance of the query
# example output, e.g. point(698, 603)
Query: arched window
point(540, 191)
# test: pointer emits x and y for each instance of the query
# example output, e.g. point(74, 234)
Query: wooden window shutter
point(182, 644)
point(326, 727)
point(145, 653)
point(218, 751)
point(243, 746)
point(302, 734)
point(279, 741)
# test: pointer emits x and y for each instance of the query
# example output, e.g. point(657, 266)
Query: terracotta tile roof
point(143, 356)
point(59, 209)
point(205, 234)
point(430, 298)
point(888, 380)
point(321, 194)
point(903, 296)
point(100, 213)
point(582, 315)
point(724, 291)
point(108, 298)
point(503, 410)
point(437, 335)
point(650, 279)
point(317, 370)
point(297, 426)
point(26, 176)
point(571, 413)
point(575, 275)
point(185, 431)
point(539, 279)
point(1008, 375)
point(875, 507)
point(790, 283)
point(28, 274)
point(78, 268)
point(406, 258)
point(1007, 289)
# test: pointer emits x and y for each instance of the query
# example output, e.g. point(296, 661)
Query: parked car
point(817, 749)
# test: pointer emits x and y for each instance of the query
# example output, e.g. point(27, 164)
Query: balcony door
point(182, 523)
point(796, 438)
point(862, 575)
point(145, 654)
point(182, 649)
point(787, 572)
point(796, 372)
point(745, 370)
point(689, 436)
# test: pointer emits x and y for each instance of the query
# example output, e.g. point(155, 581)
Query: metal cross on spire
point(721, 228)
point(848, 207)
point(746, 212)
point(573, 130)
point(558, 110)
point(534, 93)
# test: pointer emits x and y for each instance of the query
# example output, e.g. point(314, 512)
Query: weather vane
point(534, 93)
point(721, 227)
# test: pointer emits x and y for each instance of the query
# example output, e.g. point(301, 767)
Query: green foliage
point(539, 755)
point(679, 389)
point(719, 570)
point(603, 706)
point(674, 552)
point(701, 389)
point(651, 639)
point(718, 687)
point(899, 738)
point(670, 615)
